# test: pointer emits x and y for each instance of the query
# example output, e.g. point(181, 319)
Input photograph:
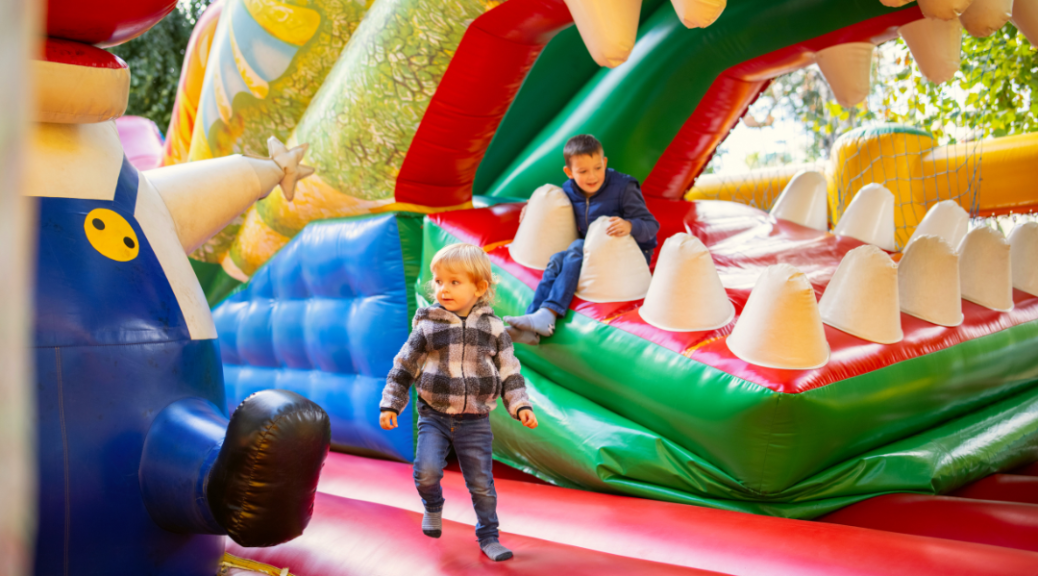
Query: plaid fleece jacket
point(461, 366)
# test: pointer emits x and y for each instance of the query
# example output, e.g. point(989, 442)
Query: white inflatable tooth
point(985, 273)
point(547, 227)
point(698, 13)
point(862, 298)
point(780, 326)
point(614, 268)
point(984, 17)
point(928, 281)
point(608, 27)
point(1025, 18)
point(870, 217)
point(943, 9)
point(1023, 241)
point(804, 201)
point(686, 294)
point(946, 220)
point(848, 71)
point(935, 46)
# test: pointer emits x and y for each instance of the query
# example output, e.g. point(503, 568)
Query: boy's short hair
point(581, 145)
point(468, 259)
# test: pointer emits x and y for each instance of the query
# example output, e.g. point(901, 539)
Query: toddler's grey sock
point(523, 336)
point(494, 550)
point(432, 524)
point(541, 322)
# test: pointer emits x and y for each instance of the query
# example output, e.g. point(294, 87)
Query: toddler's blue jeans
point(559, 282)
point(471, 437)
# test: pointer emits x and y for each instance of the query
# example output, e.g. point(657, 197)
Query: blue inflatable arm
point(179, 451)
point(252, 477)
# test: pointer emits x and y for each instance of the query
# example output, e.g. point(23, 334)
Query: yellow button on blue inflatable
point(111, 235)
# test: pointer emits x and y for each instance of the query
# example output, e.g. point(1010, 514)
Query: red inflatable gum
point(1007, 524)
point(717, 540)
point(349, 537)
point(1002, 488)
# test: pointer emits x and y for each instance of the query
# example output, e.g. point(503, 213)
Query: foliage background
point(155, 59)
point(994, 94)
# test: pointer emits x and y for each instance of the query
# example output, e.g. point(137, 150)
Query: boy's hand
point(618, 227)
point(387, 420)
point(528, 419)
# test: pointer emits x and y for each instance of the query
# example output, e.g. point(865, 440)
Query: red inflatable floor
point(354, 538)
point(1007, 524)
point(547, 524)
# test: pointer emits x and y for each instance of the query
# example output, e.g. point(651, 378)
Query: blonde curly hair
point(469, 259)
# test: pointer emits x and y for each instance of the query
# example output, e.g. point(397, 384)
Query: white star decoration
point(289, 161)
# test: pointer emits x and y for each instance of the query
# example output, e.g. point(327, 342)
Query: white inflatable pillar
point(847, 69)
point(943, 9)
point(862, 298)
point(984, 17)
point(780, 326)
point(698, 13)
point(686, 294)
point(936, 47)
point(985, 274)
point(548, 227)
point(1023, 241)
point(804, 201)
point(946, 220)
point(928, 281)
point(608, 28)
point(1025, 18)
point(870, 217)
point(614, 268)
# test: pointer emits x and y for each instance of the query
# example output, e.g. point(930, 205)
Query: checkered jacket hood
point(458, 366)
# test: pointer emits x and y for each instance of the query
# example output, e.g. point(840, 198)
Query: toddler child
point(462, 360)
point(594, 190)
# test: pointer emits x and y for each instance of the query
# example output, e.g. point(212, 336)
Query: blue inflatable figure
point(140, 469)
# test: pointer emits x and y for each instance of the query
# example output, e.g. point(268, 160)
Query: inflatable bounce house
point(830, 369)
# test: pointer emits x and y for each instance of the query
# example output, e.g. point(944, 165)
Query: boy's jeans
point(471, 436)
point(559, 282)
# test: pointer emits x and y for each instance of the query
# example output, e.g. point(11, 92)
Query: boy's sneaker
point(494, 550)
point(432, 524)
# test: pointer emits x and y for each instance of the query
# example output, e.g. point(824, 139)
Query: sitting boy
point(594, 191)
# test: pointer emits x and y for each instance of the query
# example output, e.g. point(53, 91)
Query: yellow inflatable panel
point(986, 178)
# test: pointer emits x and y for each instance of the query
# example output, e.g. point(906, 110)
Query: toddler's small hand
point(528, 419)
point(618, 227)
point(387, 420)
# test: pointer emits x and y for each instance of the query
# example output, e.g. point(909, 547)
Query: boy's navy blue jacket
point(620, 196)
